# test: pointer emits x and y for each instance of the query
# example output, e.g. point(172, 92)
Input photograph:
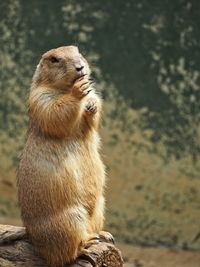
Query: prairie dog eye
point(53, 60)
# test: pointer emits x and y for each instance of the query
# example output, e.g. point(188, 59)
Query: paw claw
point(86, 92)
point(107, 237)
point(112, 240)
point(91, 107)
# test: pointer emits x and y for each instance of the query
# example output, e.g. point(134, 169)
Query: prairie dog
point(61, 176)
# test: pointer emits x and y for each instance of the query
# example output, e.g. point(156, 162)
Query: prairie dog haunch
point(61, 176)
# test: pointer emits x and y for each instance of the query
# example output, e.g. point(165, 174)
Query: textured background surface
point(145, 56)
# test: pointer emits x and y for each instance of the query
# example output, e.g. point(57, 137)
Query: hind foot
point(101, 237)
point(106, 237)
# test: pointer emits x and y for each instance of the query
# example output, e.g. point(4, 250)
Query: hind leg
point(97, 221)
point(61, 238)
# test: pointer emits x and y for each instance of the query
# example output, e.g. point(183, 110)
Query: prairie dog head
point(60, 67)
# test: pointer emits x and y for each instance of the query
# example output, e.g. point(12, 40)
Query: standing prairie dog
point(61, 176)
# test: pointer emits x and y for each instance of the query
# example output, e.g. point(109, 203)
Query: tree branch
point(16, 251)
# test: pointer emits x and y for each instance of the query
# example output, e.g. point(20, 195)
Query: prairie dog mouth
point(81, 73)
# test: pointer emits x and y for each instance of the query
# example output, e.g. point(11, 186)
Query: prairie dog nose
point(79, 65)
point(79, 68)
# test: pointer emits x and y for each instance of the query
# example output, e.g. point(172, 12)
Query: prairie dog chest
point(81, 157)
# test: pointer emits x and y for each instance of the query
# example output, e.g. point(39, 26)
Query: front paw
point(82, 87)
point(91, 106)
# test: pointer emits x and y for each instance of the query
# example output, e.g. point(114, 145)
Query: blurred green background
point(145, 57)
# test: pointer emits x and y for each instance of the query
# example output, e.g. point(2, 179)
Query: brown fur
point(61, 176)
